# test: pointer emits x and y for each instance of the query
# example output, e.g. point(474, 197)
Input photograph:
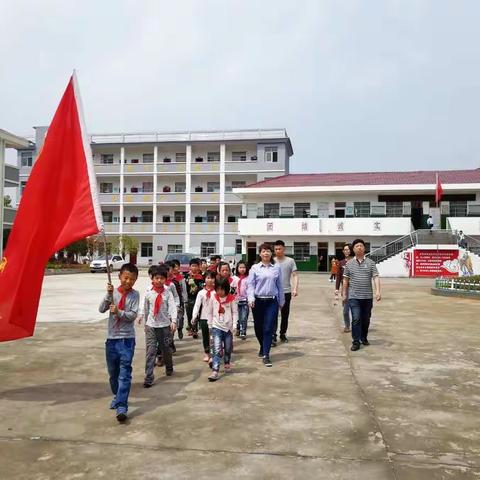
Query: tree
point(79, 247)
point(124, 244)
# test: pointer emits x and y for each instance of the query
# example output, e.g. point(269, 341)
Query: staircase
point(421, 237)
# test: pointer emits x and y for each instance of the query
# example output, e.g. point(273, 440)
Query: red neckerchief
point(240, 278)
point(230, 280)
point(158, 300)
point(168, 282)
point(120, 306)
point(209, 291)
point(179, 277)
point(212, 268)
point(228, 299)
point(197, 276)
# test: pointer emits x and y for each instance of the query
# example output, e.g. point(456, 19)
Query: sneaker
point(260, 353)
point(274, 343)
point(365, 342)
point(346, 330)
point(243, 336)
point(147, 384)
point(237, 333)
point(213, 377)
point(267, 362)
point(195, 335)
point(355, 346)
point(283, 339)
point(228, 367)
point(180, 334)
point(169, 373)
point(189, 333)
point(206, 357)
point(121, 414)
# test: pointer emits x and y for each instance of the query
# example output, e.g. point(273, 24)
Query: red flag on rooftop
point(59, 206)
point(438, 191)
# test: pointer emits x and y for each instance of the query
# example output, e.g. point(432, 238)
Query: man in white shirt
point(288, 267)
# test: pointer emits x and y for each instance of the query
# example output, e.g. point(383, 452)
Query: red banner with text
point(435, 263)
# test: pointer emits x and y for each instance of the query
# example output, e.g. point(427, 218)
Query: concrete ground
point(404, 408)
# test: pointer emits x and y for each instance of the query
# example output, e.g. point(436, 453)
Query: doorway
point(417, 214)
point(251, 253)
point(322, 257)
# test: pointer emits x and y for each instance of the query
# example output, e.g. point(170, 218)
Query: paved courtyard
point(404, 408)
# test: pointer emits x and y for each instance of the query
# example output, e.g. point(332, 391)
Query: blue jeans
point(265, 315)
point(361, 312)
point(221, 342)
point(119, 355)
point(346, 314)
point(242, 317)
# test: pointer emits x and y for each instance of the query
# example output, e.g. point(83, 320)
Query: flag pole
point(107, 262)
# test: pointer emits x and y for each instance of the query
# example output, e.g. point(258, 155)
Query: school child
point(241, 281)
point(224, 314)
point(160, 323)
point(203, 267)
point(202, 312)
point(178, 280)
point(120, 344)
point(194, 284)
point(224, 271)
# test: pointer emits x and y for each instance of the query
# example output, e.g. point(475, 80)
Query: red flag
point(59, 206)
point(438, 191)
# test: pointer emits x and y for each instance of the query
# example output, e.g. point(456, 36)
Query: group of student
point(214, 301)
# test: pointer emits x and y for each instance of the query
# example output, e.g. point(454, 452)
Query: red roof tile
point(370, 178)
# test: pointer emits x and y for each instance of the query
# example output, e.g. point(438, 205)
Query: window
point(271, 154)
point(148, 158)
point(166, 219)
point(322, 209)
point(146, 249)
point(231, 219)
point(213, 187)
point(238, 183)
point(361, 209)
point(458, 208)
point(147, 187)
point(107, 217)
point(106, 187)
point(213, 216)
point(181, 157)
point(174, 248)
point(180, 187)
point(207, 248)
point(213, 156)
point(301, 210)
point(179, 217)
point(301, 251)
point(239, 156)
point(106, 158)
point(147, 216)
point(27, 159)
point(238, 246)
point(22, 186)
point(271, 210)
point(394, 209)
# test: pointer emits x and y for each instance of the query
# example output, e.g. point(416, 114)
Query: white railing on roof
point(214, 135)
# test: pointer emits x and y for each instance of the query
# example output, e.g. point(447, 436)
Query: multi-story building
point(315, 214)
point(9, 180)
point(173, 192)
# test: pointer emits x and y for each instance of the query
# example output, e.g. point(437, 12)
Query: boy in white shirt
point(160, 314)
point(224, 315)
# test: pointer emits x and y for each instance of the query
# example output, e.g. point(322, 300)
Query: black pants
point(284, 313)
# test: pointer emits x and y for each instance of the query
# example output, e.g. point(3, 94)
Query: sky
point(359, 85)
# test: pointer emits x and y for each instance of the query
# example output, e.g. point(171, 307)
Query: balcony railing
point(176, 167)
point(205, 197)
point(200, 167)
point(171, 197)
point(109, 197)
point(138, 197)
point(138, 168)
point(204, 227)
point(137, 227)
point(170, 227)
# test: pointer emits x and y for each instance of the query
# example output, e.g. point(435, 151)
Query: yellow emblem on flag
point(3, 264)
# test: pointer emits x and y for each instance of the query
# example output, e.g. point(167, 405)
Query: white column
point(221, 230)
point(2, 180)
point(188, 196)
point(122, 168)
point(155, 172)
